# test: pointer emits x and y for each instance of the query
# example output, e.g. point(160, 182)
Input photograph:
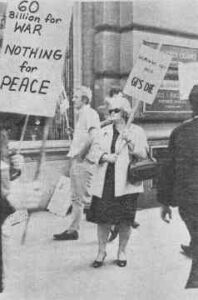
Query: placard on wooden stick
point(32, 56)
point(145, 78)
point(147, 74)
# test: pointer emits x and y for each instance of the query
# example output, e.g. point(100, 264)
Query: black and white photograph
point(98, 150)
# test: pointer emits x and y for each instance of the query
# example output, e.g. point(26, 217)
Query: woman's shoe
point(97, 263)
point(121, 263)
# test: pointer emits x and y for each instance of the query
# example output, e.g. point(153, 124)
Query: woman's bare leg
point(124, 235)
point(103, 233)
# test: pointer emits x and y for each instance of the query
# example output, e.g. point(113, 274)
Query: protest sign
point(32, 56)
point(188, 76)
point(147, 74)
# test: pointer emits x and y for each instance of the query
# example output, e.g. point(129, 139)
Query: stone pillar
point(107, 46)
point(88, 33)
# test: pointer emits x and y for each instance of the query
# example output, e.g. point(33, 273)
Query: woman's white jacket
point(122, 186)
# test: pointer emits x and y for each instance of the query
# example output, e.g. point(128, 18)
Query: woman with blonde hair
point(114, 200)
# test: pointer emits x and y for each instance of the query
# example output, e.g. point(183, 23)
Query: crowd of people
point(99, 159)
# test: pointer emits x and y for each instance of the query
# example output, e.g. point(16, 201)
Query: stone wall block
point(107, 14)
point(107, 52)
point(126, 14)
point(126, 52)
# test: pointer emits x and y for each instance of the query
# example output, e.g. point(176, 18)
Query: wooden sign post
point(145, 78)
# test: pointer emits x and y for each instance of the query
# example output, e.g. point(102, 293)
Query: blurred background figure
point(178, 184)
point(15, 198)
point(10, 169)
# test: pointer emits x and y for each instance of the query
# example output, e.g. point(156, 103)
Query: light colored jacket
point(122, 186)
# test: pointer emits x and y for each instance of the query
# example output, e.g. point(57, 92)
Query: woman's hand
point(126, 135)
point(127, 138)
point(110, 158)
point(17, 161)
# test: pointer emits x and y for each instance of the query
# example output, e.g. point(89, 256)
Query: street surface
point(44, 269)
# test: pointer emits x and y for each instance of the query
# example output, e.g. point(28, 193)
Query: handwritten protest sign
point(31, 61)
point(147, 74)
point(188, 76)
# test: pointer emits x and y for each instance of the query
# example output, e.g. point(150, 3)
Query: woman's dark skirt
point(113, 210)
point(110, 209)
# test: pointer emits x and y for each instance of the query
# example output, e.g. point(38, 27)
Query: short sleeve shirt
point(87, 119)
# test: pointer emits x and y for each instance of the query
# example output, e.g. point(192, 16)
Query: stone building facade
point(111, 36)
point(112, 33)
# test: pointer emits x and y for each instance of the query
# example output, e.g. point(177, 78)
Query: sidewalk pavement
point(44, 269)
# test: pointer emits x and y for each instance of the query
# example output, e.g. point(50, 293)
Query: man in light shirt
point(82, 159)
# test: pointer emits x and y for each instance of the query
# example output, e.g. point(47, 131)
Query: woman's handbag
point(142, 170)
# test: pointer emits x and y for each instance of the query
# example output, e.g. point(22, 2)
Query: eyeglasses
point(115, 110)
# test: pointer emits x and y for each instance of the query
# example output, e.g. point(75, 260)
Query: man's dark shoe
point(187, 250)
point(135, 225)
point(66, 236)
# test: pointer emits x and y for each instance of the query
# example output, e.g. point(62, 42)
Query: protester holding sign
point(15, 198)
point(107, 103)
point(6, 173)
point(114, 199)
point(32, 57)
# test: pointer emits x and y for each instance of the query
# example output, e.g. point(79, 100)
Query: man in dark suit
point(178, 184)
